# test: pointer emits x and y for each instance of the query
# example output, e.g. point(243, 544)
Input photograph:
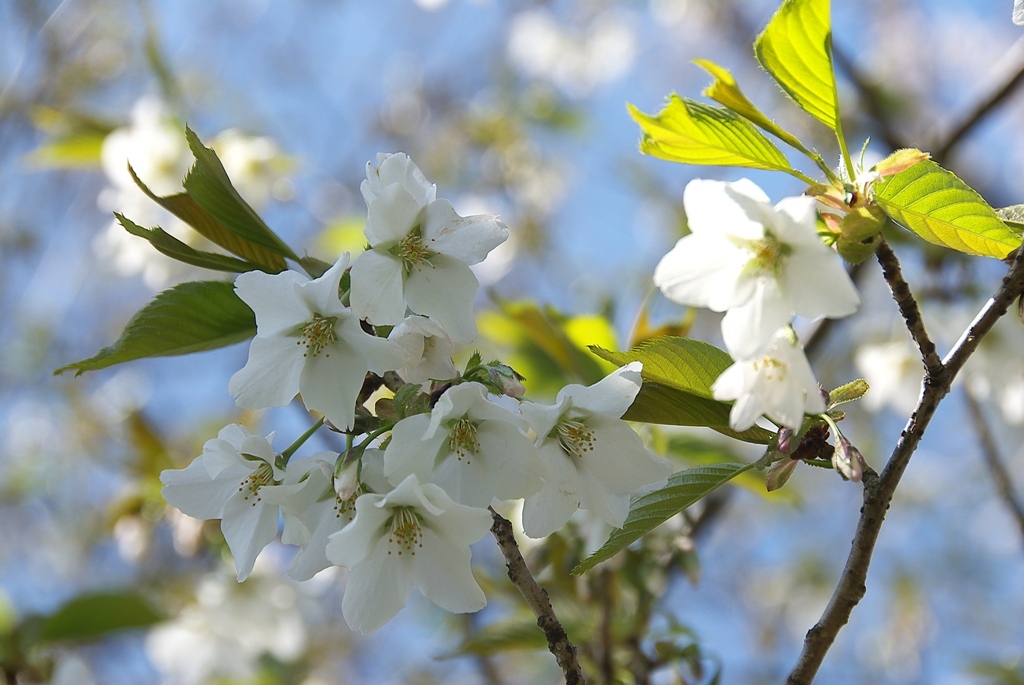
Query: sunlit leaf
point(91, 616)
point(694, 133)
point(677, 377)
point(796, 49)
point(167, 244)
point(190, 317)
point(649, 511)
point(725, 91)
point(77, 151)
point(939, 207)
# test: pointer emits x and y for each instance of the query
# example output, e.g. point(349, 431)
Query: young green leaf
point(939, 207)
point(725, 91)
point(190, 317)
point(192, 213)
point(796, 49)
point(651, 510)
point(1013, 216)
point(677, 377)
point(209, 185)
point(91, 616)
point(167, 244)
point(694, 133)
point(668, 406)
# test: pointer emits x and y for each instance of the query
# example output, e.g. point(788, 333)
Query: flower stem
point(287, 454)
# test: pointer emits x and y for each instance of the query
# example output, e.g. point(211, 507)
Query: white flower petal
point(248, 527)
point(818, 285)
point(391, 215)
point(734, 208)
point(270, 378)
point(468, 239)
point(748, 329)
point(409, 452)
point(597, 497)
point(620, 458)
point(612, 395)
point(704, 270)
point(377, 589)
point(444, 576)
point(377, 288)
point(191, 491)
point(273, 299)
point(321, 295)
point(558, 499)
point(444, 290)
point(330, 383)
point(355, 542)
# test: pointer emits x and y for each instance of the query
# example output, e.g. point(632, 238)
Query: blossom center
point(405, 531)
point(463, 440)
point(317, 335)
point(412, 251)
point(250, 486)
point(767, 255)
point(772, 369)
point(575, 437)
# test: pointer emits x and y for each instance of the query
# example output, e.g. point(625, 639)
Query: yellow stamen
point(413, 252)
point(462, 439)
point(263, 475)
point(576, 437)
point(318, 335)
point(405, 531)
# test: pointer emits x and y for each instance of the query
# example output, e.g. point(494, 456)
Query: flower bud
point(848, 460)
point(508, 379)
point(779, 472)
point(346, 478)
point(784, 442)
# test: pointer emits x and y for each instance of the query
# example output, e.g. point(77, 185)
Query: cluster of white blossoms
point(762, 266)
point(401, 508)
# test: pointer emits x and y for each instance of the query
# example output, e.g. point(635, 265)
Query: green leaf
point(725, 91)
point(942, 209)
point(667, 406)
point(80, 150)
point(209, 185)
point(848, 392)
point(649, 511)
point(688, 365)
point(175, 249)
point(188, 210)
point(91, 616)
point(691, 132)
point(796, 49)
point(190, 317)
point(678, 374)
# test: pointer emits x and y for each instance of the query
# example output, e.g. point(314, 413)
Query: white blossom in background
point(779, 383)
point(471, 447)
point(759, 264)
point(894, 371)
point(71, 670)
point(223, 635)
point(306, 342)
point(255, 164)
point(595, 460)
point(414, 536)
point(227, 481)
point(427, 349)
point(420, 251)
point(574, 59)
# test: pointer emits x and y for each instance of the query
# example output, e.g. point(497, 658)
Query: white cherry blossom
point(427, 350)
point(469, 446)
point(420, 251)
point(227, 481)
point(595, 459)
point(316, 504)
point(306, 342)
point(760, 264)
point(415, 536)
point(779, 383)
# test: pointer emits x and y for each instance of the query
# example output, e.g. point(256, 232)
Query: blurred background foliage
point(518, 108)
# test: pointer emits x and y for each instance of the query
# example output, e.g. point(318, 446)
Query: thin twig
point(893, 274)
point(537, 598)
point(1004, 78)
point(990, 451)
point(879, 489)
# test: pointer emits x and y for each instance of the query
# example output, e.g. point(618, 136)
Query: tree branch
point(893, 274)
point(879, 489)
point(989, 450)
point(537, 598)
